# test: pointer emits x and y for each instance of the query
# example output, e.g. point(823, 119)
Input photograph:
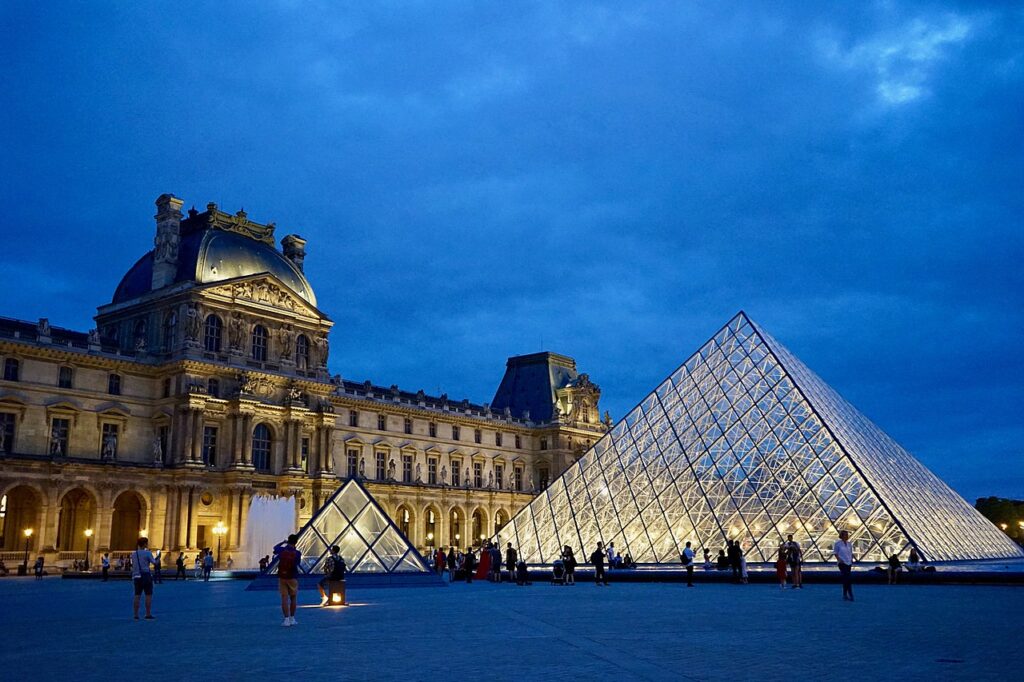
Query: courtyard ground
point(82, 630)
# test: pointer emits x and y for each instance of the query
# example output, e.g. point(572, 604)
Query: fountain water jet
point(271, 520)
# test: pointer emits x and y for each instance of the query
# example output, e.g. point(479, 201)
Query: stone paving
point(82, 630)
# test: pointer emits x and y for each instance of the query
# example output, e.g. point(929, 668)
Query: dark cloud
point(609, 183)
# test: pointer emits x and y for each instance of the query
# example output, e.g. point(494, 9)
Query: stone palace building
point(205, 385)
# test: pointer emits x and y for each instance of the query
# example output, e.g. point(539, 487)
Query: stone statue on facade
point(94, 337)
point(109, 450)
point(157, 449)
point(235, 329)
point(533, 485)
point(323, 349)
point(465, 479)
point(419, 473)
point(391, 470)
point(490, 479)
point(43, 327)
point(362, 467)
point(287, 339)
point(444, 475)
point(193, 323)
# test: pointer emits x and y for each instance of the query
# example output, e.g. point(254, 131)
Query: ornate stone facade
point(205, 383)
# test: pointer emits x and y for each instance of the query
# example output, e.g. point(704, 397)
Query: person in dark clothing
point(597, 559)
point(334, 571)
point(687, 558)
point(733, 552)
point(450, 560)
point(469, 564)
point(511, 558)
point(722, 563)
point(179, 567)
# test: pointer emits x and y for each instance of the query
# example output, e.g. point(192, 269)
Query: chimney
point(168, 234)
point(294, 248)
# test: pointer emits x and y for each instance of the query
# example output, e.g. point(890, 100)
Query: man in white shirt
point(843, 552)
point(687, 559)
point(142, 579)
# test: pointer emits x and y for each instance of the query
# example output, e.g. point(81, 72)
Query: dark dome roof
point(212, 255)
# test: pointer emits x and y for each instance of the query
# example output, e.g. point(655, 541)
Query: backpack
point(329, 565)
point(287, 559)
point(685, 559)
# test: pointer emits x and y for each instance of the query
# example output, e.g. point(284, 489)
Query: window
point(456, 472)
point(353, 418)
point(60, 429)
point(518, 478)
point(213, 387)
point(7, 432)
point(163, 434)
point(499, 476)
point(261, 442)
point(477, 436)
point(431, 527)
point(432, 470)
point(210, 445)
point(259, 343)
point(167, 387)
point(212, 331)
point(543, 478)
point(543, 443)
point(382, 465)
point(302, 351)
point(519, 442)
point(353, 462)
point(170, 330)
point(455, 526)
point(456, 432)
point(497, 439)
point(403, 521)
point(108, 441)
point(432, 429)
point(11, 369)
point(64, 376)
point(406, 468)
point(382, 422)
point(478, 474)
point(304, 454)
point(408, 425)
point(114, 384)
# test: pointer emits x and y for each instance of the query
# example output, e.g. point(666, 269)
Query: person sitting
point(894, 568)
point(708, 564)
point(613, 559)
point(558, 572)
point(723, 561)
point(914, 561)
point(627, 561)
point(522, 573)
point(334, 571)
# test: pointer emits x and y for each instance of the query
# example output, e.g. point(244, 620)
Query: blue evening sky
point(612, 182)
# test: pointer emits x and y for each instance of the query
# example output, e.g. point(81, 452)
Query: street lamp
point(24, 565)
point(88, 539)
point(219, 531)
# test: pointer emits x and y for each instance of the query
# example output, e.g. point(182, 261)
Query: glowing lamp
point(28, 532)
point(88, 532)
point(1001, 525)
point(335, 598)
point(142, 533)
point(430, 536)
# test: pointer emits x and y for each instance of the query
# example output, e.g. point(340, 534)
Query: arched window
point(403, 521)
point(259, 343)
point(212, 331)
point(430, 527)
point(261, 442)
point(302, 352)
point(170, 330)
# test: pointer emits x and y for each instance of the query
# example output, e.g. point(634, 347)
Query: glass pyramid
point(744, 442)
point(369, 541)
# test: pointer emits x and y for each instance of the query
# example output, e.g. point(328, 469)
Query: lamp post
point(24, 564)
point(88, 540)
point(219, 531)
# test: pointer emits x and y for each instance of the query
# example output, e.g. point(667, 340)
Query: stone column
point(170, 514)
point(244, 499)
point(247, 440)
point(297, 445)
point(182, 518)
point(188, 432)
point(236, 439)
point(327, 451)
point(157, 515)
point(196, 454)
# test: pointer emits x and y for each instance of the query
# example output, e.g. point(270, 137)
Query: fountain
point(271, 520)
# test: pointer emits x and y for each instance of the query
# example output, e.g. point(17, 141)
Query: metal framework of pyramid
point(744, 442)
point(369, 541)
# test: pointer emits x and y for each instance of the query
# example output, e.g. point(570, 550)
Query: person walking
point(468, 564)
point(687, 558)
point(569, 564)
point(198, 566)
point(334, 571)
point(158, 577)
point(207, 566)
point(288, 559)
point(843, 552)
point(142, 579)
point(511, 559)
point(105, 565)
point(179, 567)
point(597, 559)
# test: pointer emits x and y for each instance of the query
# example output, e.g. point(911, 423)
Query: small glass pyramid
point(744, 442)
point(369, 541)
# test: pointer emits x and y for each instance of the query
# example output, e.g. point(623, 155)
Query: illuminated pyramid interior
point(744, 442)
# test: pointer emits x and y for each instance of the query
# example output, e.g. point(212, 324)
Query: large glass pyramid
point(744, 442)
point(369, 541)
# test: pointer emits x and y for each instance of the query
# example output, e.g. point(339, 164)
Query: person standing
point(207, 566)
point(451, 561)
point(843, 552)
point(733, 552)
point(197, 570)
point(105, 564)
point(894, 568)
point(569, 563)
point(597, 559)
point(142, 579)
point(511, 558)
point(157, 576)
point(39, 567)
point(687, 558)
point(179, 567)
point(795, 559)
point(439, 560)
point(780, 567)
point(468, 564)
point(288, 559)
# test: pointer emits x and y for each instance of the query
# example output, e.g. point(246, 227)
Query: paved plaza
point(82, 630)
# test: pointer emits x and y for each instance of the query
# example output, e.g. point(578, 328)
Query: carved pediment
point(264, 290)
